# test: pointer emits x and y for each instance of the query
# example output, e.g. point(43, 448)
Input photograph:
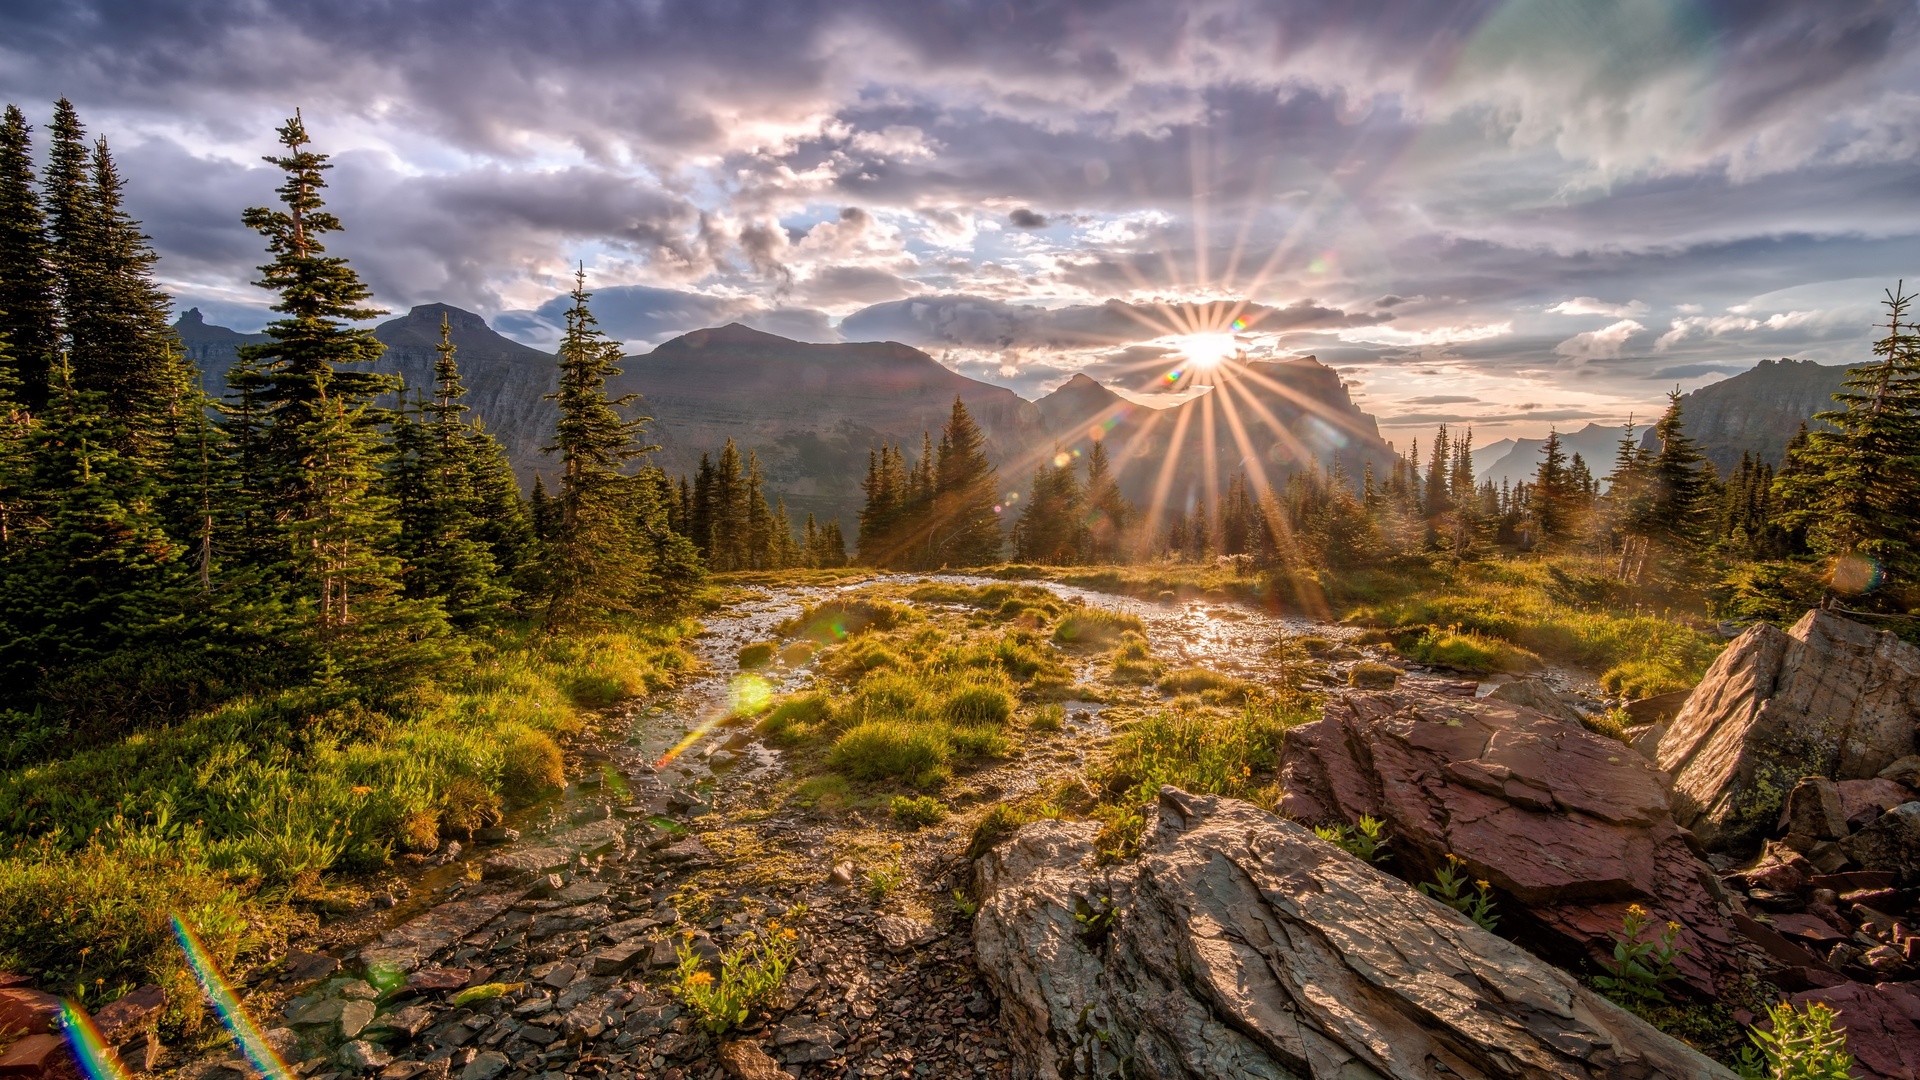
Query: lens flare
point(746, 695)
point(1856, 574)
point(219, 993)
point(1061, 459)
point(1207, 350)
point(1174, 375)
point(89, 1049)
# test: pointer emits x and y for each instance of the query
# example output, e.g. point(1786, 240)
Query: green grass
point(1095, 628)
point(917, 811)
point(1470, 651)
point(915, 754)
point(1213, 687)
point(238, 812)
point(840, 619)
point(757, 655)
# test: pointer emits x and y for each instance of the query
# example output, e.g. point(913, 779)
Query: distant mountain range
point(813, 411)
point(1758, 410)
point(1595, 443)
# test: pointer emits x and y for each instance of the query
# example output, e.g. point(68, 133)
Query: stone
point(406, 946)
point(1561, 821)
point(615, 959)
point(1863, 800)
point(1890, 843)
point(595, 839)
point(354, 1018)
point(1905, 771)
point(566, 920)
point(410, 1021)
point(1829, 697)
point(1882, 1023)
point(1814, 810)
point(306, 967)
point(314, 1013)
point(119, 1019)
point(1658, 709)
point(39, 1055)
point(744, 1060)
point(495, 834)
point(140, 1053)
point(544, 886)
point(560, 976)
point(901, 934)
point(432, 979)
point(1536, 695)
point(1645, 739)
point(803, 1039)
point(522, 864)
point(628, 928)
point(582, 891)
point(25, 1011)
point(486, 1065)
point(1239, 945)
point(841, 874)
point(361, 1056)
point(688, 851)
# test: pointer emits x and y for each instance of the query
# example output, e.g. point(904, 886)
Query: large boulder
point(1240, 945)
point(1829, 697)
point(1571, 828)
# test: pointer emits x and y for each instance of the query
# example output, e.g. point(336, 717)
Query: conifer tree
point(28, 316)
point(760, 545)
point(786, 553)
point(1109, 515)
point(17, 511)
point(730, 550)
point(544, 514)
point(833, 545)
point(700, 516)
point(1554, 503)
point(965, 529)
point(597, 563)
point(1680, 486)
point(1856, 489)
point(1051, 529)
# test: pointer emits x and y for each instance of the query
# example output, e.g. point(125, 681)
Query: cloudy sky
point(1519, 213)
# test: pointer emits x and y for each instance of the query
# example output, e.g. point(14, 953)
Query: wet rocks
point(1568, 825)
point(1241, 945)
point(485, 1065)
point(405, 946)
point(1829, 697)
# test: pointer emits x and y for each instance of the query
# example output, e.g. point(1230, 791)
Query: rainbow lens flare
point(206, 971)
point(1174, 375)
point(746, 695)
point(1239, 324)
point(89, 1049)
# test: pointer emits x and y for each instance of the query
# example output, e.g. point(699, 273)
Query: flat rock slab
point(524, 863)
point(1240, 945)
point(594, 839)
point(406, 946)
point(900, 934)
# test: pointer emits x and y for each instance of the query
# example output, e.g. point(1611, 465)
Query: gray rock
point(901, 934)
point(523, 863)
point(560, 976)
point(313, 1014)
point(1829, 697)
point(1645, 739)
point(354, 1018)
point(595, 839)
point(361, 1056)
point(486, 1065)
point(1241, 946)
point(1890, 843)
point(410, 1021)
point(565, 920)
point(404, 947)
point(1538, 696)
point(615, 959)
point(628, 928)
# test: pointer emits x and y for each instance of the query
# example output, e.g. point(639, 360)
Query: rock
point(405, 946)
point(628, 928)
point(1890, 843)
point(1905, 771)
point(485, 1065)
point(354, 1018)
point(524, 863)
point(1659, 708)
point(841, 874)
point(1239, 945)
point(1372, 675)
point(306, 967)
point(566, 920)
point(1814, 810)
point(410, 1021)
point(361, 1056)
point(690, 851)
point(119, 1019)
point(582, 891)
point(1536, 695)
point(1645, 739)
point(746, 1061)
point(496, 834)
point(560, 976)
point(803, 1039)
point(1828, 697)
point(315, 1013)
point(544, 886)
point(25, 1011)
point(595, 839)
point(39, 1055)
point(1566, 823)
point(901, 934)
point(616, 959)
point(1880, 1022)
point(1863, 800)
point(431, 979)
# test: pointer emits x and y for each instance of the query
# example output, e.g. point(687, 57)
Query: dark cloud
point(1024, 218)
point(1443, 399)
point(644, 314)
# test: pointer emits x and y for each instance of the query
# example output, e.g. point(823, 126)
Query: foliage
point(1449, 886)
point(1640, 965)
point(1002, 821)
point(474, 995)
point(1089, 627)
point(883, 879)
point(943, 511)
point(757, 655)
point(750, 976)
point(1469, 651)
point(963, 905)
point(1366, 840)
point(1800, 1046)
point(918, 811)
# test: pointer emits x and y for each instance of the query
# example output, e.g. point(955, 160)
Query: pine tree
point(28, 315)
point(785, 553)
point(1680, 486)
point(1438, 473)
point(730, 550)
point(598, 562)
point(18, 515)
point(965, 530)
point(760, 544)
point(1051, 528)
point(1554, 504)
point(833, 545)
point(1856, 489)
point(1108, 513)
point(700, 516)
point(319, 454)
point(544, 514)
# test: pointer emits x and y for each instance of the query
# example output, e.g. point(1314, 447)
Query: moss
point(757, 655)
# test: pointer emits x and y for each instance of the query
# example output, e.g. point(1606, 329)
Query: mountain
point(1485, 456)
point(1597, 443)
point(812, 412)
point(1756, 411)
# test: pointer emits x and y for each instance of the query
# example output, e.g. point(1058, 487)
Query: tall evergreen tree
point(1109, 515)
point(1555, 503)
point(1052, 529)
point(965, 529)
point(28, 315)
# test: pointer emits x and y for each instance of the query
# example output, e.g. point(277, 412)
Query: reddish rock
point(1567, 823)
point(438, 979)
point(1882, 1023)
point(1807, 928)
point(28, 1012)
point(1779, 868)
point(1861, 801)
point(41, 1056)
point(119, 1020)
point(9, 980)
point(1829, 696)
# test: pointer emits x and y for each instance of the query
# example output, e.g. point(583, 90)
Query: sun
point(1207, 350)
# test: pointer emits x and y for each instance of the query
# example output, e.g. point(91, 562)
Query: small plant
point(1048, 718)
point(750, 974)
point(1449, 886)
point(1365, 840)
point(965, 906)
point(917, 811)
point(757, 655)
point(1001, 822)
point(883, 880)
point(1801, 1046)
point(1096, 919)
point(1639, 965)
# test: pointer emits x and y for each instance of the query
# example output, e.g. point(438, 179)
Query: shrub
point(751, 973)
point(979, 740)
point(1137, 672)
point(1093, 628)
point(1048, 718)
point(999, 823)
point(798, 719)
point(979, 705)
point(1213, 687)
point(861, 657)
point(530, 765)
point(1372, 675)
point(840, 619)
point(892, 750)
point(894, 696)
point(918, 810)
point(1200, 751)
point(757, 655)
point(1470, 652)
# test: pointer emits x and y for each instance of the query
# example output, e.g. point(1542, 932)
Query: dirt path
point(715, 845)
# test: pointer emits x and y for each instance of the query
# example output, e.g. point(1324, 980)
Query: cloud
point(1443, 399)
point(1605, 343)
point(1587, 305)
point(1694, 371)
point(640, 313)
point(1023, 218)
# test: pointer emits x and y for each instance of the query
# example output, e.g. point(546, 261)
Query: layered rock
point(1828, 697)
point(1239, 945)
point(1571, 828)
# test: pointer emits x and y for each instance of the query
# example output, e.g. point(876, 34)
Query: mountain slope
point(1596, 443)
point(1758, 410)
